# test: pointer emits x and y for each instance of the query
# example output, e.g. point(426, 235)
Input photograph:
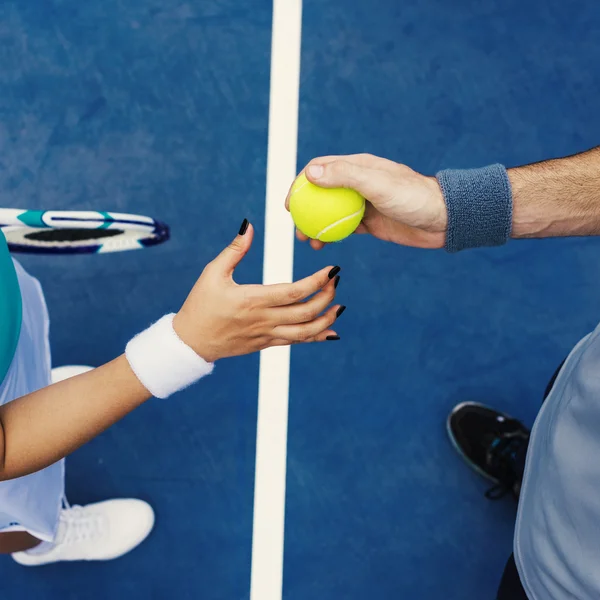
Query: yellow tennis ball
point(325, 214)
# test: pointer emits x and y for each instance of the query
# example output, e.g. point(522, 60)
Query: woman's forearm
point(218, 319)
point(557, 198)
point(38, 429)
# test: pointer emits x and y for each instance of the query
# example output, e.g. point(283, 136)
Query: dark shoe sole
point(458, 448)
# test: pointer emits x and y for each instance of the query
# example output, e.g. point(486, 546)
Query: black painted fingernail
point(244, 227)
point(340, 310)
point(332, 338)
point(337, 281)
point(334, 272)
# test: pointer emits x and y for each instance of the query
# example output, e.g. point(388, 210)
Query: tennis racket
point(78, 232)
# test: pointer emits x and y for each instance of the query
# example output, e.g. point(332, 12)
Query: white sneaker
point(101, 531)
point(62, 373)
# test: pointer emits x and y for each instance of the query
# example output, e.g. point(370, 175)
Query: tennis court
point(162, 108)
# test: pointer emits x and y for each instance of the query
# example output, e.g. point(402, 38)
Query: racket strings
point(70, 235)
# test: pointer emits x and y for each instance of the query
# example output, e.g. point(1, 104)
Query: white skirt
point(31, 503)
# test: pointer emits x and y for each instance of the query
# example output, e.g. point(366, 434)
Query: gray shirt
point(557, 535)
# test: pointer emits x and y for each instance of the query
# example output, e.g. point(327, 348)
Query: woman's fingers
point(304, 312)
point(283, 294)
point(328, 335)
point(226, 262)
point(303, 332)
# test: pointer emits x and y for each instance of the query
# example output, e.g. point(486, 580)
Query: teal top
point(10, 309)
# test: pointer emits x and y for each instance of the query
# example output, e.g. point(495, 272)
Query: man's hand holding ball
point(401, 206)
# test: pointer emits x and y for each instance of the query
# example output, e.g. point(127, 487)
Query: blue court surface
point(161, 107)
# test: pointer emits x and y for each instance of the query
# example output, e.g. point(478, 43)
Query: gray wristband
point(479, 203)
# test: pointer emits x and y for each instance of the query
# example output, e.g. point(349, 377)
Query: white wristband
point(162, 362)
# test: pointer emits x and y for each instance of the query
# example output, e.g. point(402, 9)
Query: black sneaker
point(492, 443)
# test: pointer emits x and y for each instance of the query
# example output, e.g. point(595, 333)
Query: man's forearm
point(557, 198)
point(38, 429)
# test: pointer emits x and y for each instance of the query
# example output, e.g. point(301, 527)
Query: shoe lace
point(80, 524)
point(501, 455)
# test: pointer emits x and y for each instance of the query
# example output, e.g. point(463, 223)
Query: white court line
point(273, 391)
